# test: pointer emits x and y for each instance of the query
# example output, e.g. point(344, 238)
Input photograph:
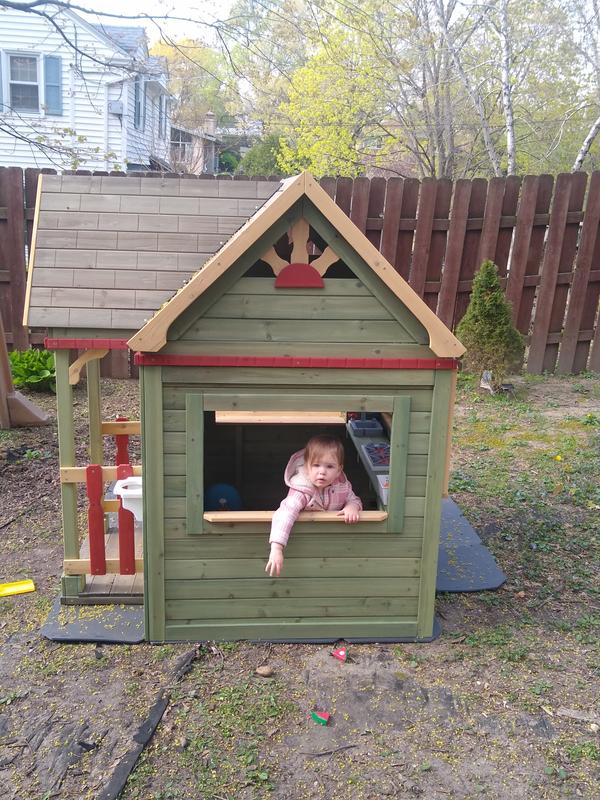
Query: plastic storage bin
point(366, 427)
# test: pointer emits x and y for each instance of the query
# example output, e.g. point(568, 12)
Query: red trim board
point(158, 360)
point(85, 344)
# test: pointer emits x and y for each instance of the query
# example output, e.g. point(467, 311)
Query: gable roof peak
point(153, 336)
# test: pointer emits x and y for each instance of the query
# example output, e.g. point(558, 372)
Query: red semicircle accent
point(299, 276)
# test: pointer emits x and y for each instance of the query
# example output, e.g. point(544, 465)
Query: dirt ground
point(504, 704)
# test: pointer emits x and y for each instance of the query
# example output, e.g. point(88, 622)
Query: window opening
point(246, 454)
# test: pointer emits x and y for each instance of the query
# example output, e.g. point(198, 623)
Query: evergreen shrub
point(486, 330)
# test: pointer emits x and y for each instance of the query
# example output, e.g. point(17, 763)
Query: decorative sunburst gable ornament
point(297, 273)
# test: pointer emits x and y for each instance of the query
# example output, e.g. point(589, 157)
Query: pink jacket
point(304, 496)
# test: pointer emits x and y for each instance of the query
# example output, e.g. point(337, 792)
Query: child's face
point(324, 469)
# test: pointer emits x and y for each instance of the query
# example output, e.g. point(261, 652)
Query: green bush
point(33, 369)
point(486, 330)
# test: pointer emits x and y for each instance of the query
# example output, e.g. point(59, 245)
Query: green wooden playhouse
point(253, 340)
point(292, 323)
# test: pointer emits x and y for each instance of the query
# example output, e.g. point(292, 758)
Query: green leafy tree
point(228, 162)
point(487, 331)
point(200, 80)
point(261, 158)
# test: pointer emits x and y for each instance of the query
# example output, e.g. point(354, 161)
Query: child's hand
point(275, 562)
point(350, 513)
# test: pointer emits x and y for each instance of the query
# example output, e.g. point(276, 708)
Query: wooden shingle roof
point(108, 251)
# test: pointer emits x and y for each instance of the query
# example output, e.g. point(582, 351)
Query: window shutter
point(1, 97)
point(53, 85)
point(145, 102)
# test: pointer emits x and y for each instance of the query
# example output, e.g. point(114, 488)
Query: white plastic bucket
point(130, 492)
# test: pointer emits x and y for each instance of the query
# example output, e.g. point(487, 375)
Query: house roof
point(108, 251)
point(127, 37)
point(153, 336)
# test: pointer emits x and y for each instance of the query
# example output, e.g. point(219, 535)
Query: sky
point(205, 10)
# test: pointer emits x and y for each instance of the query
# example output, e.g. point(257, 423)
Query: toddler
point(317, 483)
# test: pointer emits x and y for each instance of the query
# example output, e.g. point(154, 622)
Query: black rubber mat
point(104, 624)
point(464, 563)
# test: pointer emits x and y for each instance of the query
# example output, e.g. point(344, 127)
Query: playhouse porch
point(103, 551)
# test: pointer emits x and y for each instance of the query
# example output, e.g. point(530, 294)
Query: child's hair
point(318, 445)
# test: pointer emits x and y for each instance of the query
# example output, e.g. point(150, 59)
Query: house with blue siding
point(80, 95)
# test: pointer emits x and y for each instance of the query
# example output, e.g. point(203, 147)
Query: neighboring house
point(195, 151)
point(78, 95)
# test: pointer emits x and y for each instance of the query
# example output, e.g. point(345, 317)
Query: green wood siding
point(152, 456)
point(294, 629)
point(194, 461)
point(360, 581)
point(435, 480)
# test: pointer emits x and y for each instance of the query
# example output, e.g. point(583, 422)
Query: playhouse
point(296, 325)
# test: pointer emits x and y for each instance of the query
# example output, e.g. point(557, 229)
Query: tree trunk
point(585, 147)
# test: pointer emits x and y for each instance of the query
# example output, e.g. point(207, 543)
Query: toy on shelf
point(378, 455)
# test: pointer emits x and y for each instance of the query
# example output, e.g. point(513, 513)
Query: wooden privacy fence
point(542, 232)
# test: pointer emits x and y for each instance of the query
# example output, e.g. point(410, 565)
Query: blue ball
point(222, 497)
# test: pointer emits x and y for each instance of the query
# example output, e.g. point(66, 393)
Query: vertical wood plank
point(126, 528)
point(565, 269)
point(436, 468)
point(194, 462)
point(375, 210)
point(535, 254)
point(469, 263)
point(454, 250)
point(423, 233)
point(154, 531)
point(66, 451)
point(581, 275)
point(589, 318)
point(438, 242)
point(6, 384)
point(95, 514)
point(343, 194)
point(406, 234)
point(398, 461)
point(491, 221)
point(523, 229)
point(96, 443)
point(328, 184)
point(594, 363)
point(391, 219)
point(360, 202)
point(549, 273)
point(512, 186)
point(13, 235)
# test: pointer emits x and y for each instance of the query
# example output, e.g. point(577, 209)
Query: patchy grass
point(502, 705)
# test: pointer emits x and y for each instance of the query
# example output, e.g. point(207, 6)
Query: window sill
point(304, 516)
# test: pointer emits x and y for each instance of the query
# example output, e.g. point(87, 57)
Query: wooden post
point(96, 443)
point(126, 529)
point(122, 442)
point(15, 410)
point(154, 523)
point(71, 585)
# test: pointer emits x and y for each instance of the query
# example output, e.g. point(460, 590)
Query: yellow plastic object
point(18, 587)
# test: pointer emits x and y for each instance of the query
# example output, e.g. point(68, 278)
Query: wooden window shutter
point(53, 85)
